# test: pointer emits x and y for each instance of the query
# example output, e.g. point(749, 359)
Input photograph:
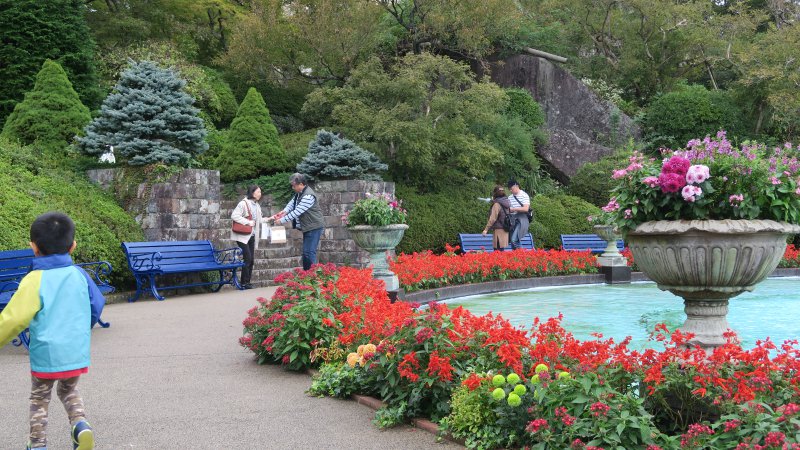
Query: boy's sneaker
point(28, 447)
point(82, 436)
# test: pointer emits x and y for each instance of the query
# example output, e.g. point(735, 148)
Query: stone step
point(277, 263)
point(268, 275)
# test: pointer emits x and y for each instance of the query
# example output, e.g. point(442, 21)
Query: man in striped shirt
point(305, 214)
point(520, 205)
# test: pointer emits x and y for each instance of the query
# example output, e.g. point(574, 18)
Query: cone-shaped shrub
point(51, 114)
point(252, 148)
point(331, 157)
point(148, 118)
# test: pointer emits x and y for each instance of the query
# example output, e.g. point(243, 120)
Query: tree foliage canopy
point(428, 114)
point(252, 147)
point(148, 118)
point(33, 31)
point(51, 114)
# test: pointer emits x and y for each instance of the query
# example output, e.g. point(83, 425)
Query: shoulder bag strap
point(249, 214)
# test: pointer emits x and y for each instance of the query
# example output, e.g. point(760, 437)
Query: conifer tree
point(330, 157)
point(51, 114)
point(32, 31)
point(252, 148)
point(148, 118)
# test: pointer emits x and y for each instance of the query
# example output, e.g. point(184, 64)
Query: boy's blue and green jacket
point(60, 304)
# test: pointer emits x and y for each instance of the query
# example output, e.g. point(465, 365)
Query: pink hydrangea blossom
point(611, 206)
point(676, 164)
point(651, 181)
point(671, 182)
point(691, 193)
point(697, 174)
point(619, 174)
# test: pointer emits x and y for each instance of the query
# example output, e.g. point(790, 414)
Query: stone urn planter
point(608, 234)
point(707, 262)
point(377, 241)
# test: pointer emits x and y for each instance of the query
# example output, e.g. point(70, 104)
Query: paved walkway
point(171, 375)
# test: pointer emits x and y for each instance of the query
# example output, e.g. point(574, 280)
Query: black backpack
point(508, 221)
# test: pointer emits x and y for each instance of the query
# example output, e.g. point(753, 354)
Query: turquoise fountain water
point(772, 310)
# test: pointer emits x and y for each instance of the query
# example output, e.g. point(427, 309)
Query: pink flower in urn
point(619, 174)
point(676, 164)
point(651, 181)
point(628, 213)
point(671, 182)
point(774, 180)
point(697, 174)
point(691, 193)
point(736, 199)
point(611, 206)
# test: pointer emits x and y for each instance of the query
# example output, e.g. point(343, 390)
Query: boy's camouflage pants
point(41, 390)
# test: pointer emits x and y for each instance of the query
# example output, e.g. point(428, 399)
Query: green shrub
point(676, 117)
point(276, 185)
point(51, 114)
point(252, 146)
point(149, 118)
point(521, 104)
point(436, 219)
point(296, 146)
point(29, 187)
point(593, 180)
point(332, 157)
point(557, 215)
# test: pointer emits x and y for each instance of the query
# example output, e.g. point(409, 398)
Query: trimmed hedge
point(30, 185)
point(593, 180)
point(557, 215)
point(436, 219)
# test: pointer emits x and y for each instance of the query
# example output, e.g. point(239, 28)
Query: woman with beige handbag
point(246, 228)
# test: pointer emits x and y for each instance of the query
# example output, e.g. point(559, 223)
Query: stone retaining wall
point(190, 206)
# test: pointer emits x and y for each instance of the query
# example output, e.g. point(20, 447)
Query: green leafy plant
point(376, 210)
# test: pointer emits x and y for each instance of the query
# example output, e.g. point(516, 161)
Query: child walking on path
point(60, 303)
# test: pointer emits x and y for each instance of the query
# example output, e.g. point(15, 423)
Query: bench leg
point(153, 289)
point(222, 282)
point(235, 281)
point(24, 339)
point(103, 324)
point(139, 283)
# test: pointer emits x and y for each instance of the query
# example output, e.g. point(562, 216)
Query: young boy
point(60, 303)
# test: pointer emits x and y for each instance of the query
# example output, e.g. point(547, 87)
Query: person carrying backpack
point(501, 220)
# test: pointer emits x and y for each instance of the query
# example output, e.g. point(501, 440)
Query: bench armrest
point(99, 271)
point(145, 262)
point(9, 285)
point(228, 255)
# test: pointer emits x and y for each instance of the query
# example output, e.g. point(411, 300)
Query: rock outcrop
point(582, 127)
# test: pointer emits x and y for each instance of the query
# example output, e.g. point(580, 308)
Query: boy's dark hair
point(53, 233)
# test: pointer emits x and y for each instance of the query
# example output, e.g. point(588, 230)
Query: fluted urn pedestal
point(707, 262)
point(612, 264)
point(377, 241)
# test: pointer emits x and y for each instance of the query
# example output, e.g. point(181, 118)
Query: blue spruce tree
point(330, 157)
point(148, 118)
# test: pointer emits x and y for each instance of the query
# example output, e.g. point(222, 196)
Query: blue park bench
point(582, 242)
point(150, 260)
point(480, 243)
point(15, 264)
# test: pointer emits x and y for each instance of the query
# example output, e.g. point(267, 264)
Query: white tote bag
point(277, 235)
